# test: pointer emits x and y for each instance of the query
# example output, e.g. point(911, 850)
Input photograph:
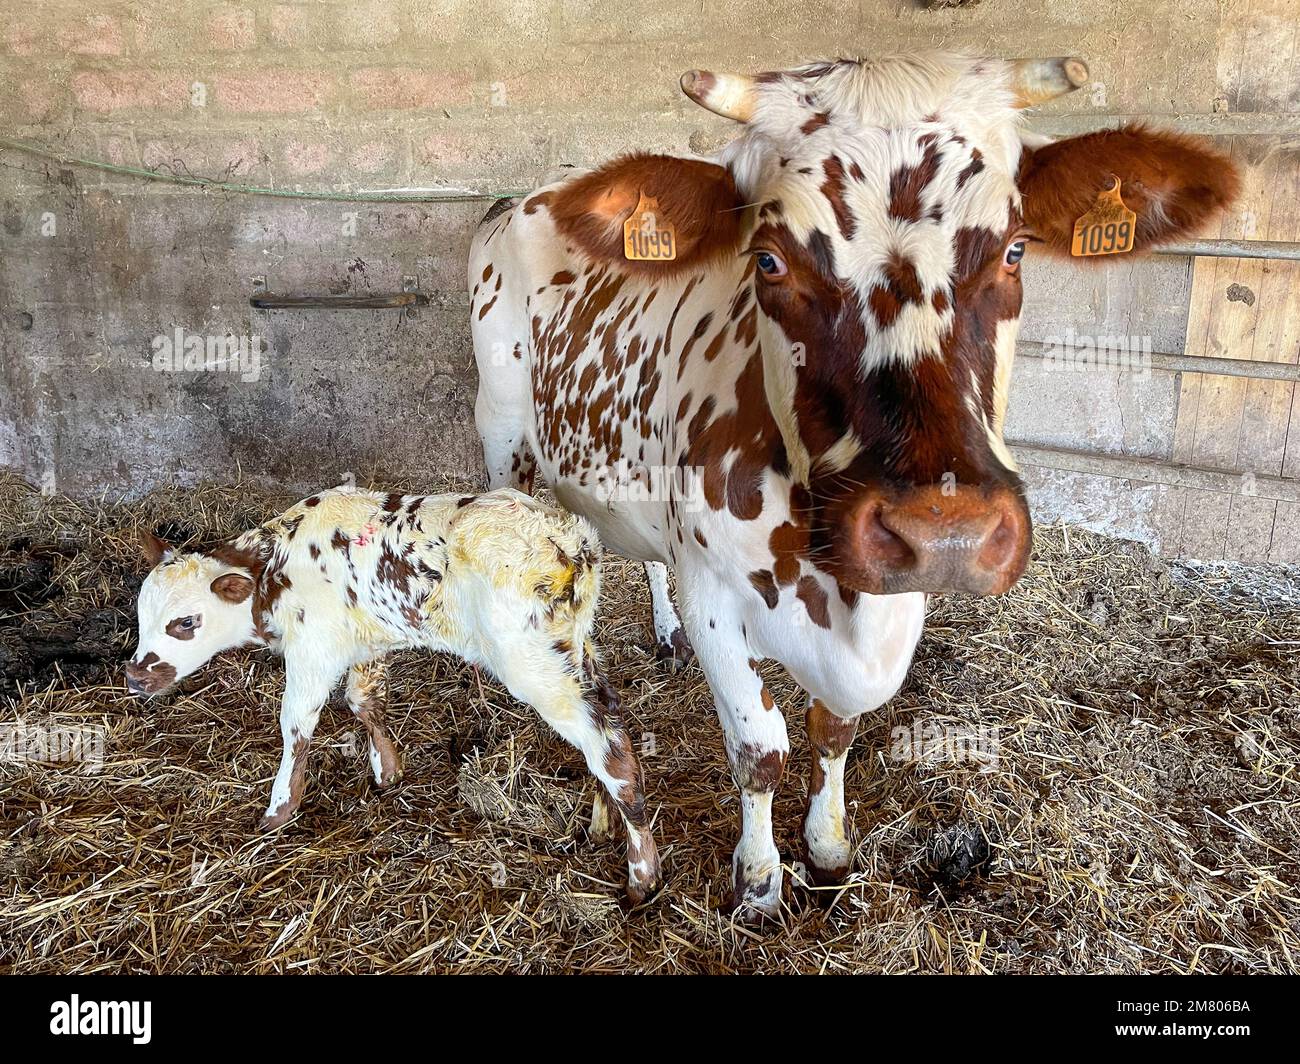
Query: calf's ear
point(1175, 184)
point(155, 550)
point(697, 199)
point(232, 587)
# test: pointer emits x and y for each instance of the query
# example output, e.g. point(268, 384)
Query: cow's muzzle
point(935, 538)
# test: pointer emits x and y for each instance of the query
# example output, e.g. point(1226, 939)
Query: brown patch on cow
point(788, 543)
point(697, 198)
point(756, 769)
point(813, 596)
point(907, 184)
point(902, 286)
point(748, 434)
point(564, 277)
point(765, 584)
point(313, 501)
point(833, 189)
point(392, 503)
point(848, 595)
point(820, 119)
point(535, 203)
point(176, 631)
point(394, 570)
point(699, 538)
point(769, 703)
point(972, 168)
point(341, 542)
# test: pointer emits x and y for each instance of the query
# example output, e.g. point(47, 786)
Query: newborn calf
point(344, 578)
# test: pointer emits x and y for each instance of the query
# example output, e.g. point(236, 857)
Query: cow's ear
point(1174, 184)
point(155, 550)
point(697, 199)
point(232, 587)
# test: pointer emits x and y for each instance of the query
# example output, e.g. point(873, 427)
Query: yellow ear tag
point(646, 236)
point(1107, 229)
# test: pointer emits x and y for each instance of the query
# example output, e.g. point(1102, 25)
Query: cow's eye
point(1014, 253)
point(769, 264)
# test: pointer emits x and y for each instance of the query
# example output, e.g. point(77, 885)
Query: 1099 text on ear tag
point(646, 236)
point(1107, 229)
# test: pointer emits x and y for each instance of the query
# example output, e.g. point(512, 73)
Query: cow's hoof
point(826, 877)
point(756, 895)
point(676, 652)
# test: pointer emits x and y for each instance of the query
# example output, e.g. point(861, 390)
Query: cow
point(345, 578)
point(819, 360)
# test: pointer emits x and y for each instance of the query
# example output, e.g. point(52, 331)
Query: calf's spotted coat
point(344, 578)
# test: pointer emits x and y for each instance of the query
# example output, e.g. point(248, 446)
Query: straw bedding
point(1133, 808)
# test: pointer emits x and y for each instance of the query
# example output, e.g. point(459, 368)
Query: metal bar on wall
point(1235, 249)
point(1226, 367)
point(1262, 486)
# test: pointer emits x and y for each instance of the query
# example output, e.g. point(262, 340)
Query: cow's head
point(886, 206)
point(894, 201)
point(192, 607)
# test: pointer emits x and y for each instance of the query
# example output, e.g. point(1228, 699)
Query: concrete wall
point(382, 94)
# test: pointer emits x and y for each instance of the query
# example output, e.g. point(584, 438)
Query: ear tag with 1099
point(1107, 229)
point(646, 236)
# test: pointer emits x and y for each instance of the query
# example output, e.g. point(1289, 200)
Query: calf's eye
point(184, 627)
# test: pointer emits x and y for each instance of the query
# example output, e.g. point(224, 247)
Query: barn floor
point(1141, 814)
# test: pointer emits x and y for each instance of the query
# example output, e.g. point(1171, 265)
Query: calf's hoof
point(601, 828)
point(675, 653)
point(272, 820)
point(641, 888)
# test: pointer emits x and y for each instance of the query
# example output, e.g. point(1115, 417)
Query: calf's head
point(191, 607)
point(885, 207)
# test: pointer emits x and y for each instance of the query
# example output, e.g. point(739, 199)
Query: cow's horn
point(729, 95)
point(1038, 80)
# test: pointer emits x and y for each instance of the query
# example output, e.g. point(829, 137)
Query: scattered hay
point(1095, 773)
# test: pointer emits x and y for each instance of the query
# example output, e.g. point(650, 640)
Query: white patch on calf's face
point(173, 592)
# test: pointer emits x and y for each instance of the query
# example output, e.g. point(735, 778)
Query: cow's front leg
point(671, 645)
point(306, 688)
point(757, 747)
point(825, 827)
point(368, 699)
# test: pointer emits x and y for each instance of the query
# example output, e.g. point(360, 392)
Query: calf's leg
point(671, 645)
point(367, 693)
point(306, 687)
point(590, 717)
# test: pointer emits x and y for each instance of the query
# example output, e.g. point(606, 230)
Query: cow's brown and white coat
point(344, 578)
point(828, 354)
